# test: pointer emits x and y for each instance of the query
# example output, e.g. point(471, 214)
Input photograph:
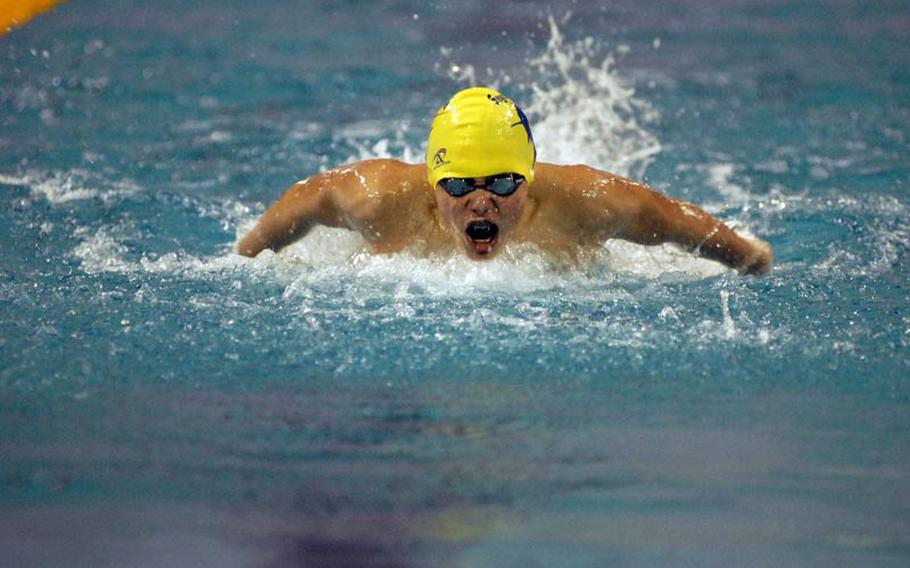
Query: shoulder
point(585, 195)
point(573, 179)
point(364, 189)
point(575, 184)
point(381, 175)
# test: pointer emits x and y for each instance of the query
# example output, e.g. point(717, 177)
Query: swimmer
point(482, 188)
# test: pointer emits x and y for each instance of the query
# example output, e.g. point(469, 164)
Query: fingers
point(759, 260)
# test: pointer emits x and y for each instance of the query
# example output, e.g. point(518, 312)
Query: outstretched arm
point(314, 201)
point(656, 218)
point(632, 211)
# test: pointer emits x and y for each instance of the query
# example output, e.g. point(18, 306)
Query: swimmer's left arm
point(656, 218)
point(632, 211)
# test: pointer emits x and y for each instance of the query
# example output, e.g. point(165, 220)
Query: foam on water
point(100, 253)
point(72, 185)
point(327, 256)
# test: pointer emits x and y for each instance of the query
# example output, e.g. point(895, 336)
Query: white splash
point(722, 177)
point(396, 147)
point(100, 253)
point(652, 262)
point(581, 110)
point(729, 326)
point(328, 256)
point(71, 185)
point(584, 112)
point(14, 180)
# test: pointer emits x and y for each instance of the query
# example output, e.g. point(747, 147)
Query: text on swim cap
point(439, 159)
point(499, 99)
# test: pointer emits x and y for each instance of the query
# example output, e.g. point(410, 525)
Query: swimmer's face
point(481, 221)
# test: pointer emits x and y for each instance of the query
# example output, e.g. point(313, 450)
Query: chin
point(475, 255)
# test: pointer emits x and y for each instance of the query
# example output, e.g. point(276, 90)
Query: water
point(166, 402)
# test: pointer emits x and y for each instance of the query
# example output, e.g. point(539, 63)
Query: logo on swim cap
point(440, 158)
point(527, 124)
point(475, 135)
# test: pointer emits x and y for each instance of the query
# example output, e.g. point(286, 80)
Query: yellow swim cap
point(480, 133)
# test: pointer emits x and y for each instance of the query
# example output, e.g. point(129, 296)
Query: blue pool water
point(164, 402)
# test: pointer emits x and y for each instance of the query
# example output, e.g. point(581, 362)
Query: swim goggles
point(500, 184)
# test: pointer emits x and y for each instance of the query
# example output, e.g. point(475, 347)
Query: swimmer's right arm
point(304, 205)
point(333, 198)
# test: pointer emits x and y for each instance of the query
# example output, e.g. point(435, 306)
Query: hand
point(758, 261)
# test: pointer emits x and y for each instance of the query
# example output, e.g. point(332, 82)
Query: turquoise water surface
point(165, 402)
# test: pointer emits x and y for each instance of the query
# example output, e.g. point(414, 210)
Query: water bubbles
point(729, 326)
point(220, 136)
point(668, 313)
point(462, 73)
point(93, 46)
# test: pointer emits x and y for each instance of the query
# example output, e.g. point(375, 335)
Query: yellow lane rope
point(14, 13)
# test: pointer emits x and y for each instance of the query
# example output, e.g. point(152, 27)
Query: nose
point(482, 202)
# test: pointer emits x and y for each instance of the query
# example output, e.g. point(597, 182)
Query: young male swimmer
point(481, 189)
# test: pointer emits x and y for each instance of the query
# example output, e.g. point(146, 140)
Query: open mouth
point(482, 236)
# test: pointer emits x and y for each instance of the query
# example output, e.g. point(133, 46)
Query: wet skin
point(481, 221)
point(568, 209)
